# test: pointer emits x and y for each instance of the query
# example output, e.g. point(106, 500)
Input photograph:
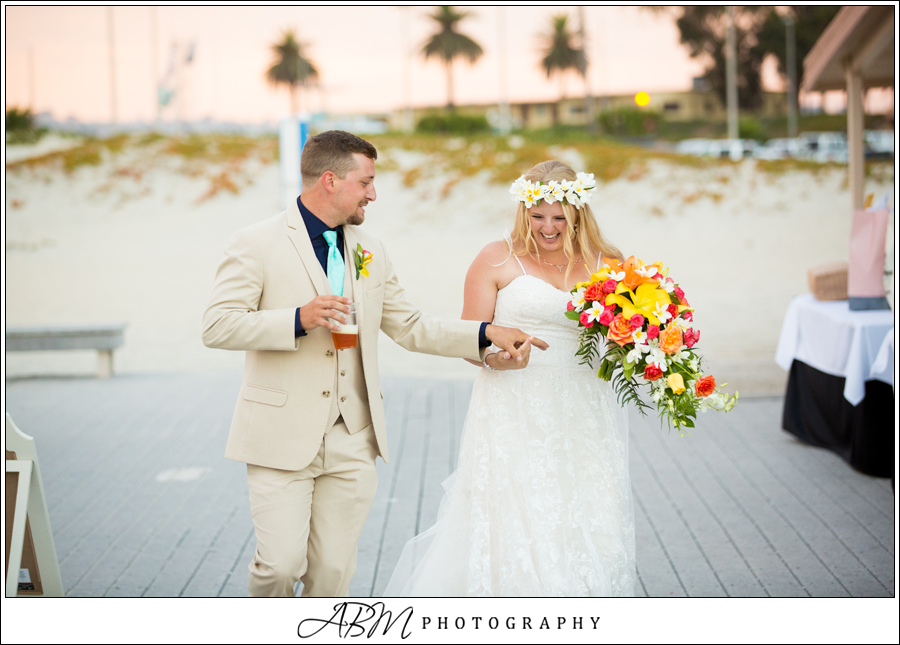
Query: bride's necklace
point(559, 267)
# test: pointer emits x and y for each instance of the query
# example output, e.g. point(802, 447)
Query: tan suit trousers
point(308, 521)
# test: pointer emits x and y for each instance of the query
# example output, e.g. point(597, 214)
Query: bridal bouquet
point(646, 327)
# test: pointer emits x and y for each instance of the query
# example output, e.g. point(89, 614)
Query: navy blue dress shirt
point(315, 227)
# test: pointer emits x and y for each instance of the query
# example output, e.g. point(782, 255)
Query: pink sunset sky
point(59, 58)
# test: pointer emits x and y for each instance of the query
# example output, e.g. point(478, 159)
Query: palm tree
point(448, 43)
point(560, 54)
point(290, 66)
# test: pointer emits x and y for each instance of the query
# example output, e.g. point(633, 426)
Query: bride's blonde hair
point(581, 226)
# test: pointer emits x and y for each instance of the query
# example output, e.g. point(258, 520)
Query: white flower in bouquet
point(636, 354)
point(595, 311)
point(661, 311)
point(578, 300)
point(666, 284)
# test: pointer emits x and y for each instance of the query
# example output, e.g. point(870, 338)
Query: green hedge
point(452, 124)
point(629, 122)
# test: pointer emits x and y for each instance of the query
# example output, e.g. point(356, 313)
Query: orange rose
point(594, 292)
point(620, 330)
point(705, 386)
point(670, 340)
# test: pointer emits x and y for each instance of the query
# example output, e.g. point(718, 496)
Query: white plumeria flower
point(554, 192)
point(662, 312)
point(679, 356)
point(573, 198)
point(578, 299)
point(595, 311)
point(519, 189)
point(666, 284)
point(533, 194)
point(646, 272)
point(586, 179)
point(640, 338)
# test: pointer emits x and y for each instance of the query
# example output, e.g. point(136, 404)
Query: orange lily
point(632, 279)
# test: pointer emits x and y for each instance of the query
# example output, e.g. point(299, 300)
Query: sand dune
point(109, 243)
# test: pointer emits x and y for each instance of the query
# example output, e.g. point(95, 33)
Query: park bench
point(103, 338)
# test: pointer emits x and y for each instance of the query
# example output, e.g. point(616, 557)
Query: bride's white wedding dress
point(540, 504)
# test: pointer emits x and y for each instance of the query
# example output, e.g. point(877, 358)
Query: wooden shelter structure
point(855, 52)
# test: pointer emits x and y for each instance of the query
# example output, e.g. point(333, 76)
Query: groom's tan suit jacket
point(294, 388)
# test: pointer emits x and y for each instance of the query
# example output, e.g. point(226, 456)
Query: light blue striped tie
point(335, 263)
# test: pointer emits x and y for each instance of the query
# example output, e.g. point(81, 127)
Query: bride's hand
point(503, 360)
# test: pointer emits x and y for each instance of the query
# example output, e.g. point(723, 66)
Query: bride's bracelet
point(493, 369)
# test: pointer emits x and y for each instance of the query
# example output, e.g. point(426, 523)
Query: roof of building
point(862, 35)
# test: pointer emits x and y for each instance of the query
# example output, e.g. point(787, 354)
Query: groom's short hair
point(332, 150)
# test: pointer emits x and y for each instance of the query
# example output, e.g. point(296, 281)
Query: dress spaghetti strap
point(508, 239)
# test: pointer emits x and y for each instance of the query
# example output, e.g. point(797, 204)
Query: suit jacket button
point(343, 398)
point(326, 394)
point(329, 353)
point(343, 372)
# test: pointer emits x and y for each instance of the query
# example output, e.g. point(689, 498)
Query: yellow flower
point(643, 300)
point(676, 383)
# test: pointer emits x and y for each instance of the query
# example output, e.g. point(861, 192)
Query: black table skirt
point(816, 412)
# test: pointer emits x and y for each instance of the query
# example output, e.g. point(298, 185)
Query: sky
point(59, 57)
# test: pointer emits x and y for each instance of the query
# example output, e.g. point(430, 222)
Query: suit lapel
point(300, 239)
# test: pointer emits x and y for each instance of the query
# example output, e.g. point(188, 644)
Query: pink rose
point(605, 318)
point(679, 293)
point(689, 338)
point(688, 315)
point(570, 306)
point(610, 285)
point(696, 335)
point(653, 331)
point(637, 321)
point(585, 320)
point(673, 310)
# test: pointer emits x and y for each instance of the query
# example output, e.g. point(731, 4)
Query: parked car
point(783, 149)
point(826, 146)
point(720, 148)
point(879, 144)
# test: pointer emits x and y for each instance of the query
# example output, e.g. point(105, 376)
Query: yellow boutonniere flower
point(361, 259)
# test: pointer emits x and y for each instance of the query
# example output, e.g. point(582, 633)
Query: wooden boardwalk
point(143, 503)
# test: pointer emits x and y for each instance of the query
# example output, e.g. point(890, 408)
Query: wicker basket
point(829, 281)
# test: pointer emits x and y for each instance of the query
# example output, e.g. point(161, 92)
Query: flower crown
point(575, 192)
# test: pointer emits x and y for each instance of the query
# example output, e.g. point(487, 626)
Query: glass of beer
point(347, 337)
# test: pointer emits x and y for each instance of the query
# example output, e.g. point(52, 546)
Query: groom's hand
point(510, 339)
point(320, 312)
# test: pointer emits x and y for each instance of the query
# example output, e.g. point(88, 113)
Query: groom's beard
point(356, 219)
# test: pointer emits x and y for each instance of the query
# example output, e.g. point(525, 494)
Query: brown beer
point(346, 338)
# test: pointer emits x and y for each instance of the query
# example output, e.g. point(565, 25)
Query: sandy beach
point(137, 239)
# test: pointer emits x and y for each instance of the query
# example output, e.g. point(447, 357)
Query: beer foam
point(348, 329)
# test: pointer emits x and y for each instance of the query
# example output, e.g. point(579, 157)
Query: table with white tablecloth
point(840, 389)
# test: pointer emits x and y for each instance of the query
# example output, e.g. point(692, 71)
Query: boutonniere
point(361, 257)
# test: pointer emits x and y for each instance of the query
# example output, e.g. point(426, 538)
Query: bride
point(540, 503)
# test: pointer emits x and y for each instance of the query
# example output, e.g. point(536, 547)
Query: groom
point(309, 420)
